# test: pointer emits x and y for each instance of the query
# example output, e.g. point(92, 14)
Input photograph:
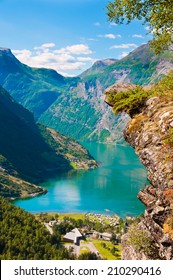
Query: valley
point(46, 120)
point(75, 106)
point(113, 186)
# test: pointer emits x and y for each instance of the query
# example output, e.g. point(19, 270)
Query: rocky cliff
point(150, 133)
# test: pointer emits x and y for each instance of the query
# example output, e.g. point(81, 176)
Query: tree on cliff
point(156, 13)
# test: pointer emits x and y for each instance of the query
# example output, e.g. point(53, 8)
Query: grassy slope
point(12, 187)
point(105, 252)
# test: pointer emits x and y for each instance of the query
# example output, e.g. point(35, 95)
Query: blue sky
point(65, 35)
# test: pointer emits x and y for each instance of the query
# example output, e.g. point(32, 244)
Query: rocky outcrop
point(150, 133)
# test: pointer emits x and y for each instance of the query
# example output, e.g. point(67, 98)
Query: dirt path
point(49, 228)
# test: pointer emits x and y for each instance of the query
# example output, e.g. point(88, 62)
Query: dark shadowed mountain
point(32, 152)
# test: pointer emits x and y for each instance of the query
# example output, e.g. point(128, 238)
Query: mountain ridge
point(99, 65)
point(75, 106)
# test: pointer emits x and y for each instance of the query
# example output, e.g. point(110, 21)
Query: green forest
point(23, 237)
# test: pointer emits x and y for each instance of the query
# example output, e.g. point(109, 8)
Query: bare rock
point(149, 134)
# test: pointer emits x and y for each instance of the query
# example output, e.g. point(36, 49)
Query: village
point(84, 233)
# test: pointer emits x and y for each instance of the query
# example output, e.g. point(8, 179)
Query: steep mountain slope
point(88, 116)
point(150, 132)
point(32, 152)
point(38, 89)
point(75, 106)
point(35, 89)
point(82, 114)
point(141, 67)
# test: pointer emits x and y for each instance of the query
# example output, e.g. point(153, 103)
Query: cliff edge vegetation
point(132, 98)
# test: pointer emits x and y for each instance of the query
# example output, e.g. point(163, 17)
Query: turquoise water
point(111, 188)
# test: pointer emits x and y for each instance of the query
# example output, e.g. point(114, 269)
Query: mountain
point(35, 89)
point(75, 106)
point(31, 152)
point(98, 66)
point(140, 66)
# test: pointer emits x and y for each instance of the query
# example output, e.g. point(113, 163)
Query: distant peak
point(7, 53)
point(4, 49)
point(105, 62)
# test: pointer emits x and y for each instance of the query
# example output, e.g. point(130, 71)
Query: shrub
point(140, 240)
point(133, 100)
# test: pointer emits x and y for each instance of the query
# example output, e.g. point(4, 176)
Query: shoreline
point(29, 196)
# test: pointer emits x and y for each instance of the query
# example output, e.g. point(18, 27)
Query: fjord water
point(111, 188)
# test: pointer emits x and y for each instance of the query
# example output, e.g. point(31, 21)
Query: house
point(73, 236)
point(105, 236)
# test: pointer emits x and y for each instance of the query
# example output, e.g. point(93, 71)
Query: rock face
point(151, 134)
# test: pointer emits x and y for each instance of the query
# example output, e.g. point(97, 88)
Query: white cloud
point(123, 54)
point(64, 59)
point(82, 58)
point(97, 24)
point(113, 24)
point(137, 36)
point(75, 49)
point(123, 46)
point(43, 46)
point(65, 74)
point(22, 54)
point(79, 49)
point(110, 36)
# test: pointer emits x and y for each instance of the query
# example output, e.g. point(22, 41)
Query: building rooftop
point(73, 235)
